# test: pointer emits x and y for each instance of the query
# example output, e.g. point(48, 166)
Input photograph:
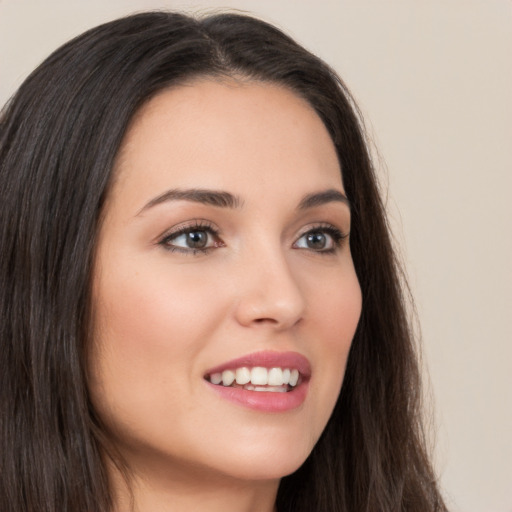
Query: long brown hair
point(59, 136)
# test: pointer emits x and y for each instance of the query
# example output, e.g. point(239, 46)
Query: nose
point(269, 293)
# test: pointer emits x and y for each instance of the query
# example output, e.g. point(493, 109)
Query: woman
point(195, 261)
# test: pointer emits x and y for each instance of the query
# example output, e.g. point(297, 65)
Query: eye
point(326, 239)
point(192, 239)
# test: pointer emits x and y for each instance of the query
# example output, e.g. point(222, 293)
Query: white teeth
point(275, 389)
point(228, 377)
point(275, 377)
point(259, 376)
point(243, 376)
point(216, 378)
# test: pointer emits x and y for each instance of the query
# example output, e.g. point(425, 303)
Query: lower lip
point(266, 401)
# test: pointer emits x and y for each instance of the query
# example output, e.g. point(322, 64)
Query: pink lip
point(267, 359)
point(266, 401)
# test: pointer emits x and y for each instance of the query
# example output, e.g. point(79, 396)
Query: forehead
point(229, 135)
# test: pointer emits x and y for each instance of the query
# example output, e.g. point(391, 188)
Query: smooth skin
point(181, 286)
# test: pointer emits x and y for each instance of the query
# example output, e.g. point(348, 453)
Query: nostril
point(268, 304)
point(264, 320)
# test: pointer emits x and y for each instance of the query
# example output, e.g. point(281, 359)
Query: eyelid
point(197, 223)
point(337, 234)
point(187, 227)
point(322, 225)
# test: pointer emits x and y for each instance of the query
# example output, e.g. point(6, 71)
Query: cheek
point(147, 337)
point(336, 308)
point(151, 310)
point(337, 312)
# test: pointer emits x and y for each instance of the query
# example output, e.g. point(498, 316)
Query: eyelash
point(333, 232)
point(197, 226)
point(336, 235)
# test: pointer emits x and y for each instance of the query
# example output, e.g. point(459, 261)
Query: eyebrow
point(222, 199)
point(217, 198)
point(324, 197)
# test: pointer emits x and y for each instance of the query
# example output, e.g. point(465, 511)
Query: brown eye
point(324, 239)
point(192, 239)
point(196, 239)
point(316, 241)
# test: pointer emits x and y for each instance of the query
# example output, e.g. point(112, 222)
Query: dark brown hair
point(59, 136)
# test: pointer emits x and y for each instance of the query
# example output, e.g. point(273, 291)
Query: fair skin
point(185, 282)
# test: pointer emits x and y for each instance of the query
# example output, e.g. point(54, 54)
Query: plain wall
point(434, 81)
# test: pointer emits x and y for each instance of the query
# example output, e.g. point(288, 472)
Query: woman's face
point(224, 254)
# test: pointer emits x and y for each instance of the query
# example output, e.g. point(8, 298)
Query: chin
point(265, 459)
point(255, 469)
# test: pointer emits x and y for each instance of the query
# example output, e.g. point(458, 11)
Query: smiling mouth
point(258, 378)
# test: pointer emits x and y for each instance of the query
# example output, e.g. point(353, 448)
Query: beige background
point(434, 80)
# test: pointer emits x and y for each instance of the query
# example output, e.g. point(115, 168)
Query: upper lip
point(267, 359)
